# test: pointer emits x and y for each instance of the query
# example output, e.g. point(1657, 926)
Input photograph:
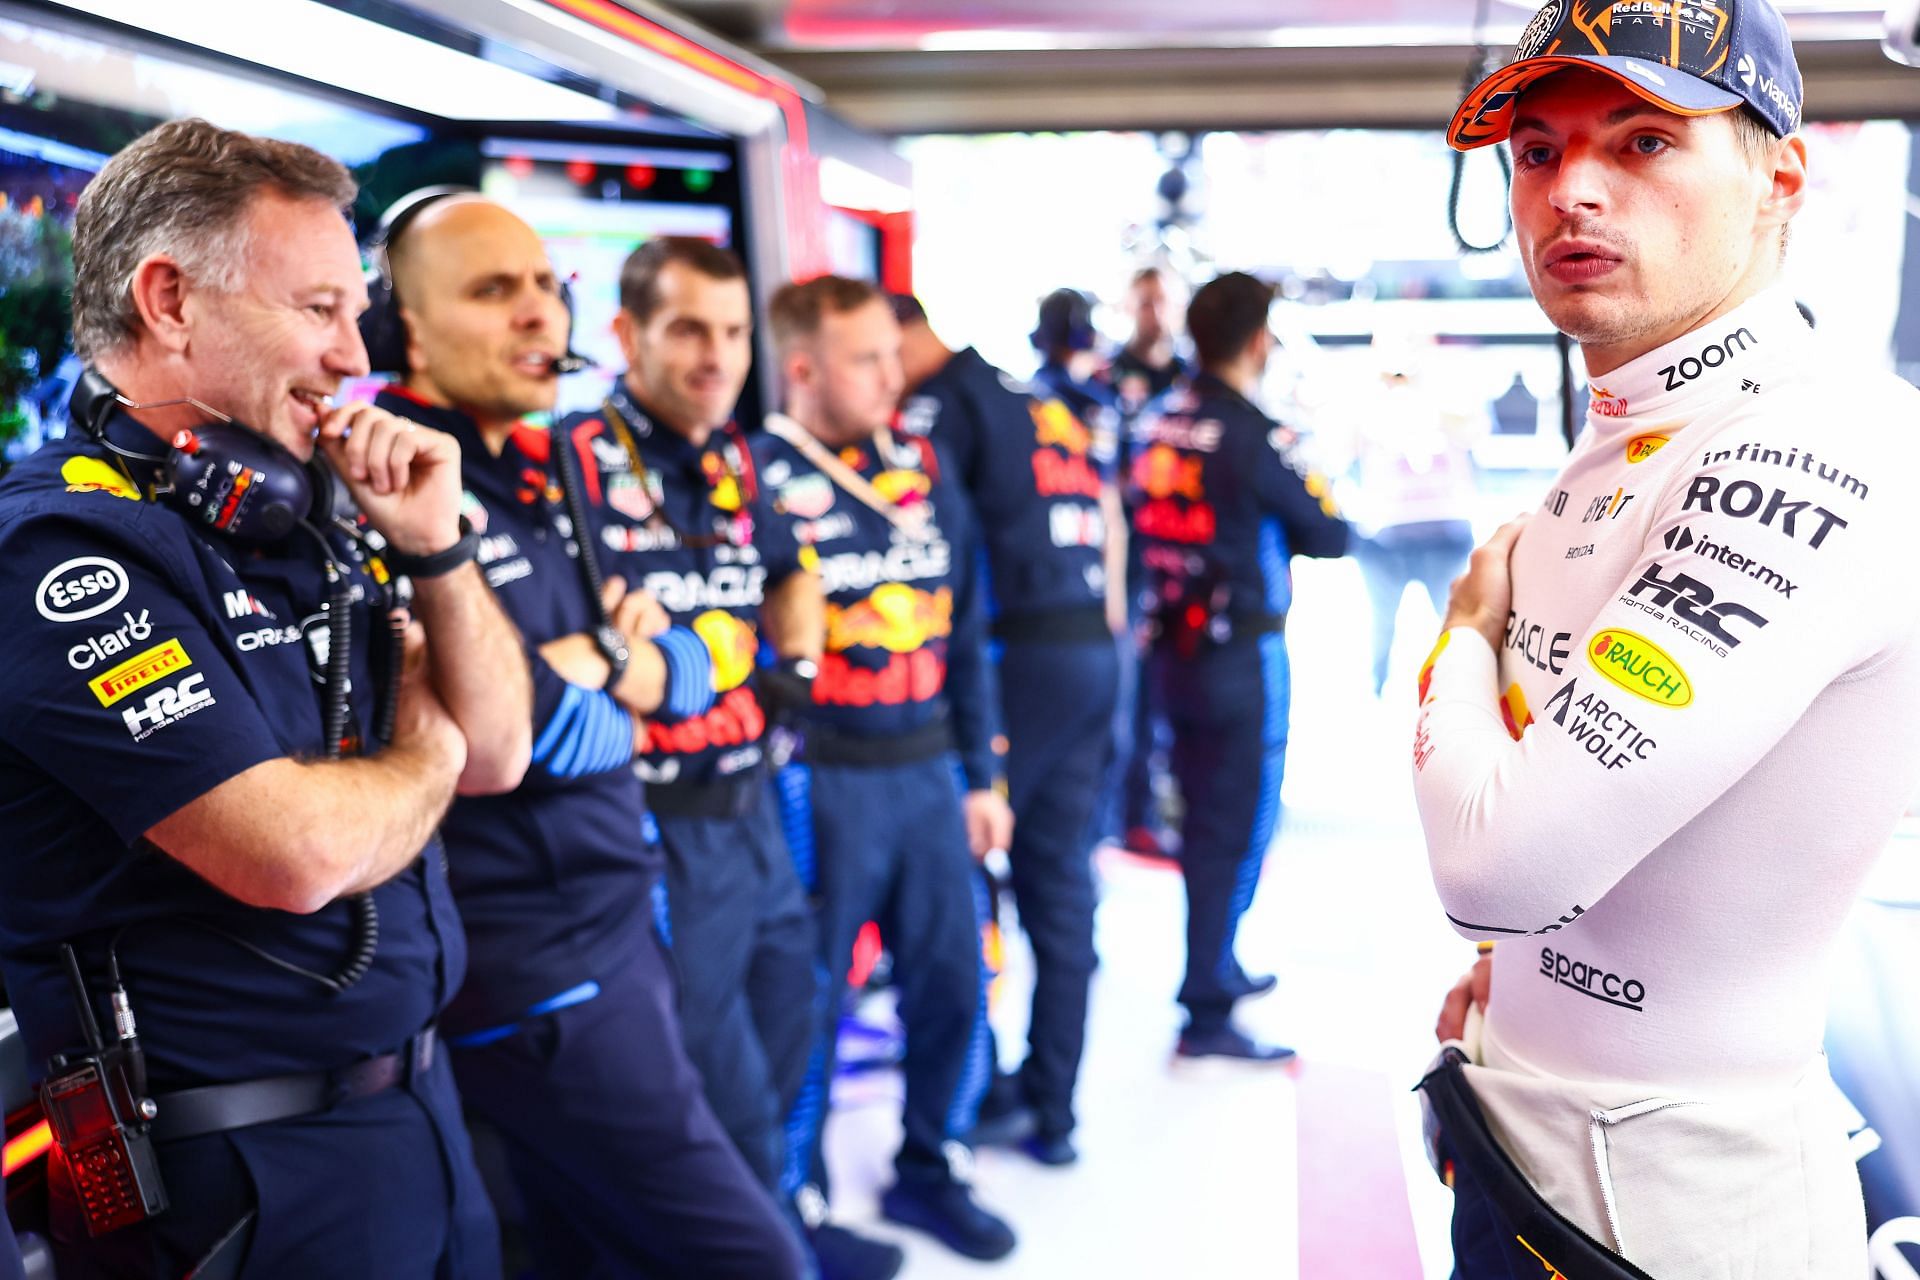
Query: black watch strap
point(440, 562)
point(613, 647)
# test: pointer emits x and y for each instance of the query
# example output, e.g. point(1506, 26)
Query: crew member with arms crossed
point(1674, 712)
point(219, 778)
point(873, 806)
point(565, 1037)
point(1047, 517)
point(679, 512)
point(1221, 504)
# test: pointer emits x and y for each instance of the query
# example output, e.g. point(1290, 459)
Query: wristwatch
point(613, 647)
point(439, 563)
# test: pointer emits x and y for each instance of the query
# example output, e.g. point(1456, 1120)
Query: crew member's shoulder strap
point(910, 521)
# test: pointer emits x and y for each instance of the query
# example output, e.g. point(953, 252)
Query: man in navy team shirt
point(565, 1037)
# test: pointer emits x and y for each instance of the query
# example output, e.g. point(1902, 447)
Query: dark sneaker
point(1005, 1120)
point(1055, 1150)
point(945, 1209)
point(843, 1255)
point(1251, 986)
point(1227, 1042)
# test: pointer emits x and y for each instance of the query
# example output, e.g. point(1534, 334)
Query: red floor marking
point(1355, 1219)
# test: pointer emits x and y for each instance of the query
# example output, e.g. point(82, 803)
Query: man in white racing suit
point(1674, 712)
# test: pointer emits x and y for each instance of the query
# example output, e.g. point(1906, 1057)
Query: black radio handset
point(97, 1105)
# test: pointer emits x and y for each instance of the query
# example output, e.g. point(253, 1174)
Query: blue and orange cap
point(1691, 57)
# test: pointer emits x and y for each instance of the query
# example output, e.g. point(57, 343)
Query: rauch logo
point(1641, 667)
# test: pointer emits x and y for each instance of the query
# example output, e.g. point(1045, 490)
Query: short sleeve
point(115, 687)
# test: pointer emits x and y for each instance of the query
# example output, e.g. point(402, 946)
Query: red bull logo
point(903, 487)
point(895, 617)
point(907, 677)
point(1054, 424)
point(1426, 668)
point(1513, 709)
point(734, 721)
point(1058, 477)
point(733, 645)
point(1605, 404)
point(1163, 472)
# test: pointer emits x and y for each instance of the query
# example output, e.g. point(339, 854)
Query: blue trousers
point(624, 1170)
point(1228, 706)
point(383, 1185)
point(1059, 704)
point(886, 843)
point(742, 937)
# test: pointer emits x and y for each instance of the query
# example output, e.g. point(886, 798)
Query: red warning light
point(640, 176)
point(519, 166)
point(580, 171)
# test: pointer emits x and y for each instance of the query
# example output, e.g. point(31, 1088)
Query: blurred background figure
point(1414, 489)
point(1070, 365)
point(1150, 361)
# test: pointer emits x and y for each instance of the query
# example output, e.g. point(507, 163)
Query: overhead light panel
point(324, 44)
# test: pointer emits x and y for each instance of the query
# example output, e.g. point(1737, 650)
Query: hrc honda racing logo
point(1593, 981)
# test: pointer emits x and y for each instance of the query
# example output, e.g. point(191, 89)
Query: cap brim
point(1486, 116)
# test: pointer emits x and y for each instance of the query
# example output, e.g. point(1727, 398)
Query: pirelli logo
point(138, 672)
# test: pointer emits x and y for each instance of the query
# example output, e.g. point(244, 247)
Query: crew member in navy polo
point(904, 697)
point(171, 809)
point(1045, 513)
point(679, 514)
point(1220, 506)
point(565, 1037)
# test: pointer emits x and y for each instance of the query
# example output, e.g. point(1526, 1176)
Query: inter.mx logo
point(1682, 539)
point(1691, 599)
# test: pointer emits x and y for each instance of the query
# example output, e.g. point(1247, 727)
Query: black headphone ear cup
point(382, 329)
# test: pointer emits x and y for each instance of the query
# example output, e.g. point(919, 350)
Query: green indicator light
point(698, 180)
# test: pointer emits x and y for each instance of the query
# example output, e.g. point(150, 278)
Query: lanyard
point(739, 468)
point(912, 522)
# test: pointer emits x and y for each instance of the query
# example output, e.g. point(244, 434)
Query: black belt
point(1054, 626)
point(1463, 1126)
point(215, 1108)
point(827, 746)
point(1242, 624)
point(731, 797)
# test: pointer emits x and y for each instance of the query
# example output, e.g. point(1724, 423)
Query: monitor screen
point(593, 205)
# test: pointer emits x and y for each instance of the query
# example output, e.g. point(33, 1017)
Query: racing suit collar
point(664, 446)
point(1726, 356)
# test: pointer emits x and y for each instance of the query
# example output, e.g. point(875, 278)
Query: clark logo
point(1641, 667)
point(138, 672)
point(1640, 448)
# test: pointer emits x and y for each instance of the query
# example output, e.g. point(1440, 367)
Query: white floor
point(1193, 1169)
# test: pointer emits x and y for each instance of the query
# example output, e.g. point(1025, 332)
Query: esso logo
point(81, 588)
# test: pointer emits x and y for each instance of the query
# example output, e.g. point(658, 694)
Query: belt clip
point(419, 1054)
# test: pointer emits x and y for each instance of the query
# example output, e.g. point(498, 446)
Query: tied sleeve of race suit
point(1692, 702)
point(115, 686)
point(1300, 497)
point(689, 673)
point(972, 690)
point(577, 731)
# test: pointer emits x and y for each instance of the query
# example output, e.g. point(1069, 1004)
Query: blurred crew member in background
point(904, 700)
point(1045, 513)
point(565, 1037)
point(1220, 505)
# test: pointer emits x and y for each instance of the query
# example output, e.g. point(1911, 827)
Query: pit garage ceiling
point(914, 66)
